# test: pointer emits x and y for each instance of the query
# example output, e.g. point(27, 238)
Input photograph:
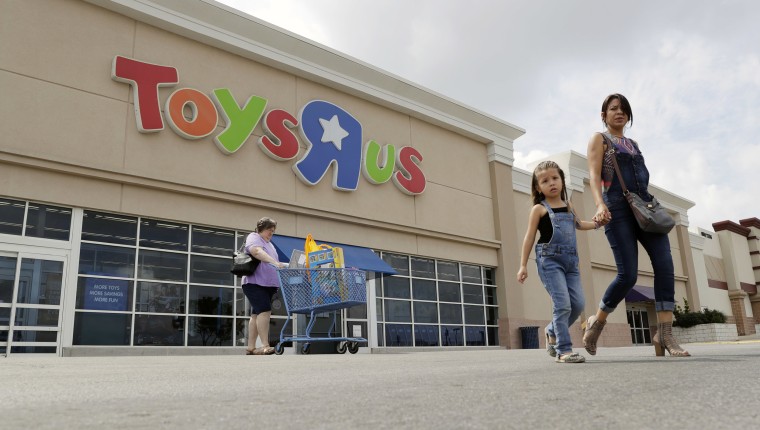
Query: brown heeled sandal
point(592, 333)
point(664, 340)
point(551, 344)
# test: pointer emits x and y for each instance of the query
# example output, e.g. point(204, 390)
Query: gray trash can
point(529, 336)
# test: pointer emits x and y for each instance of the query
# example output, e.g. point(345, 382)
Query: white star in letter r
point(332, 131)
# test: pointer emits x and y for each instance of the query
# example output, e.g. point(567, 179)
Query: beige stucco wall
point(712, 298)
point(67, 122)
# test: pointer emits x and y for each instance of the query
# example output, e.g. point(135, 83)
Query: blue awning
point(640, 294)
point(353, 256)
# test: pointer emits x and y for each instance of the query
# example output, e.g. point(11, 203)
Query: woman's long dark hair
point(538, 196)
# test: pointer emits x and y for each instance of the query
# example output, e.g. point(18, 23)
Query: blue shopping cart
point(316, 291)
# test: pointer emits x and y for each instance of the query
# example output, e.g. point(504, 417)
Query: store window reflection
point(40, 282)
point(208, 331)
point(167, 284)
point(159, 330)
point(448, 304)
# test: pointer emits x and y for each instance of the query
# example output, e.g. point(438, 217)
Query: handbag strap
point(615, 163)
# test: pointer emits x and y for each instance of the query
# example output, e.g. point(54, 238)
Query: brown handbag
point(651, 216)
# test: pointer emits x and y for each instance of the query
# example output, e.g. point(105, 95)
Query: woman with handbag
point(617, 171)
point(260, 286)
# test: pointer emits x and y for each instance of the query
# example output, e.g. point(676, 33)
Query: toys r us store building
point(141, 141)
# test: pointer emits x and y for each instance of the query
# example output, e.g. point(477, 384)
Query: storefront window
point(43, 221)
point(49, 222)
point(165, 266)
point(397, 287)
point(210, 300)
point(163, 235)
point(471, 274)
point(476, 336)
point(40, 282)
point(398, 311)
point(448, 270)
point(104, 260)
point(490, 295)
point(208, 331)
point(451, 314)
point(12, 216)
point(451, 304)
point(472, 294)
point(102, 227)
point(161, 297)
point(449, 292)
point(423, 267)
point(91, 328)
point(212, 241)
point(398, 335)
point(104, 294)
point(399, 263)
point(474, 315)
point(452, 335)
point(424, 289)
point(210, 270)
point(426, 335)
point(425, 312)
point(183, 292)
point(489, 275)
point(160, 330)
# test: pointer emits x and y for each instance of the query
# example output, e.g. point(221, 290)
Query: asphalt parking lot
point(621, 388)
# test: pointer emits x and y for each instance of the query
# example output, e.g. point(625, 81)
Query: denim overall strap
point(557, 263)
point(563, 233)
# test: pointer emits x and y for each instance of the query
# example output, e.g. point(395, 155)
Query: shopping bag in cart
point(315, 254)
point(322, 255)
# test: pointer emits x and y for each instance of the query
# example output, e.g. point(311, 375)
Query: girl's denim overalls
point(557, 263)
point(623, 233)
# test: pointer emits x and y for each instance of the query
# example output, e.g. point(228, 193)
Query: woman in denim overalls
point(622, 230)
point(556, 257)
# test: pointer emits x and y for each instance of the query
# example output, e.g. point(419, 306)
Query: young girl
point(556, 256)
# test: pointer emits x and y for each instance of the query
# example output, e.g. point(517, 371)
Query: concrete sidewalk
point(620, 388)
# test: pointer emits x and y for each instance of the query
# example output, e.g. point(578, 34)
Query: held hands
point(522, 274)
point(603, 215)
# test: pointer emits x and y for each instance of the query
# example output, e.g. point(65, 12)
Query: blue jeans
point(624, 235)
point(558, 270)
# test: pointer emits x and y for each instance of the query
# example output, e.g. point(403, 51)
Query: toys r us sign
point(332, 135)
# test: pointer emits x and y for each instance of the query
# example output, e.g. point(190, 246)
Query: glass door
point(31, 287)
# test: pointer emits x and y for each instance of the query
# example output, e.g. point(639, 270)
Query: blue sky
point(691, 70)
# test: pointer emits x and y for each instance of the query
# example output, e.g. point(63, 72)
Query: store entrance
point(31, 287)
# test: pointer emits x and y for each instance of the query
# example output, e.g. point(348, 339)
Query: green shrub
point(685, 318)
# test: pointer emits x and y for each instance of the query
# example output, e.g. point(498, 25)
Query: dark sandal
point(249, 351)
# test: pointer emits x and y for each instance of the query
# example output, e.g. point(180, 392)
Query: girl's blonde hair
point(538, 196)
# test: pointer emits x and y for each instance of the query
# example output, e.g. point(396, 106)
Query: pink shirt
point(265, 275)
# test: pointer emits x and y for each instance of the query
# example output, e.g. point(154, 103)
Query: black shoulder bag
point(651, 216)
point(243, 263)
